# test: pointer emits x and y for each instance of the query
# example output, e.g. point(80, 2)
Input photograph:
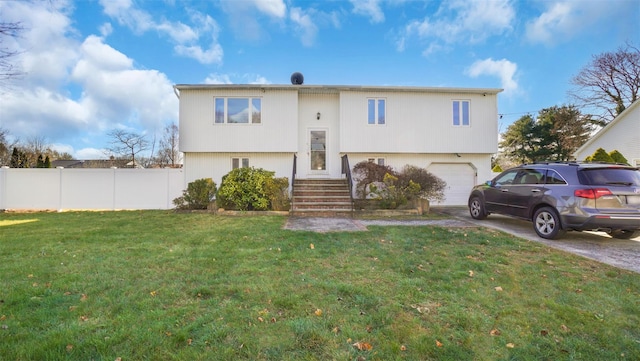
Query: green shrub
point(618, 157)
point(601, 155)
point(198, 195)
point(395, 189)
point(250, 188)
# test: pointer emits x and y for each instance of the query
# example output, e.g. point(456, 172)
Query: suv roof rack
point(576, 162)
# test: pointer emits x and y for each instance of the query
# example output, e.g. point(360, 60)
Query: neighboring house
point(622, 134)
point(452, 132)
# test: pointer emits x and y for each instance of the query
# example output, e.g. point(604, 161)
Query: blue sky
point(95, 65)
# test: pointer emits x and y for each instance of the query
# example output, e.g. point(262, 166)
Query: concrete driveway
point(595, 245)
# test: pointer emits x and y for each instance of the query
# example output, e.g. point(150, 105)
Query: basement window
point(239, 163)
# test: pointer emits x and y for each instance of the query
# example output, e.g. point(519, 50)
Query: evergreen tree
point(15, 158)
point(47, 162)
point(618, 157)
point(601, 155)
point(40, 162)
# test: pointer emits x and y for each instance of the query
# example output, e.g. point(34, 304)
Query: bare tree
point(7, 69)
point(5, 147)
point(169, 153)
point(126, 144)
point(610, 83)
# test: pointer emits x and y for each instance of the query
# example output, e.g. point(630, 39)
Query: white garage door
point(460, 179)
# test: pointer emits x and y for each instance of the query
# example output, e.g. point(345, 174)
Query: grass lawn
point(158, 285)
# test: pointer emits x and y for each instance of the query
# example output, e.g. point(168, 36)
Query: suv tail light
point(592, 193)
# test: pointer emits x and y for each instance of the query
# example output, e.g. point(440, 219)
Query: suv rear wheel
point(623, 234)
point(546, 223)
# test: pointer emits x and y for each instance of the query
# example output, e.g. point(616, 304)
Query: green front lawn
point(158, 285)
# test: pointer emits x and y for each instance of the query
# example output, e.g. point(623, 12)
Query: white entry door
point(318, 150)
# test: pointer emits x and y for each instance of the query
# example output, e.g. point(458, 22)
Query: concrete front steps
point(321, 198)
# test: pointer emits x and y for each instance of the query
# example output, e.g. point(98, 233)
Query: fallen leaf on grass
point(564, 328)
point(318, 312)
point(494, 332)
point(403, 348)
point(439, 344)
point(470, 273)
point(363, 346)
point(312, 246)
point(499, 289)
point(153, 293)
point(83, 298)
point(84, 318)
point(510, 345)
point(544, 332)
point(336, 330)
point(69, 347)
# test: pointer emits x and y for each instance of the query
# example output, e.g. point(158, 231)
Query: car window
point(554, 178)
point(610, 176)
point(528, 176)
point(505, 178)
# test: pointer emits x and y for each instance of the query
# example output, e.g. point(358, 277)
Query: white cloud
point(78, 90)
point(306, 28)
point(216, 78)
point(503, 69)
point(186, 38)
point(461, 21)
point(563, 20)
point(275, 8)
point(369, 8)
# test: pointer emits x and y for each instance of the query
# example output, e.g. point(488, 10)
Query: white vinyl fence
point(89, 189)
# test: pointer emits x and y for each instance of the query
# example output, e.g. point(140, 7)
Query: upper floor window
point(238, 110)
point(378, 161)
point(376, 111)
point(461, 112)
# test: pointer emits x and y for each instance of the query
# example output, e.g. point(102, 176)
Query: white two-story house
point(452, 132)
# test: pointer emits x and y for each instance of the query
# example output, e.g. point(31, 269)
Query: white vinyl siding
point(418, 123)
point(277, 131)
point(622, 134)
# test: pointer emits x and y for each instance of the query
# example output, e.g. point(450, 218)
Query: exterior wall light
point(318, 116)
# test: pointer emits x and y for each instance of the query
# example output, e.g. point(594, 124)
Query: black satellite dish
point(297, 78)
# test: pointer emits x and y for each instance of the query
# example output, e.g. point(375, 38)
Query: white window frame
point(458, 108)
point(239, 162)
point(376, 111)
point(377, 160)
point(225, 112)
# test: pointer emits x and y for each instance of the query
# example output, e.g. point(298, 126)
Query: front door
point(318, 150)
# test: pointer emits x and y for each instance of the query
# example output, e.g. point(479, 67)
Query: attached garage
point(460, 178)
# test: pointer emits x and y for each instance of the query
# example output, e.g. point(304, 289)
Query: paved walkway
point(322, 225)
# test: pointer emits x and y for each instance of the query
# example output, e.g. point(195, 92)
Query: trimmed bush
point(249, 189)
point(198, 195)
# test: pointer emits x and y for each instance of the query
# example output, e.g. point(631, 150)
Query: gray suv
point(565, 196)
